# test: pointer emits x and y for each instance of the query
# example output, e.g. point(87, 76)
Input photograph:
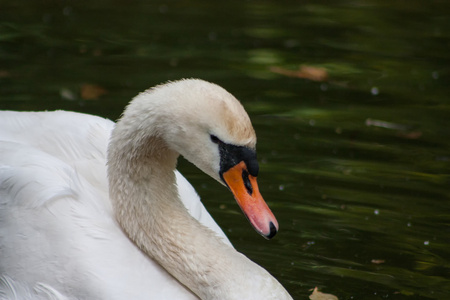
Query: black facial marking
point(231, 155)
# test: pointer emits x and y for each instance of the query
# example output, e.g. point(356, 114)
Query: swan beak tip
point(245, 190)
point(273, 231)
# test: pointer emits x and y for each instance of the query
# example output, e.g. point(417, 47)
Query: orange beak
point(245, 190)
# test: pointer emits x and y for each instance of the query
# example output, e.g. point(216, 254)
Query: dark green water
point(356, 168)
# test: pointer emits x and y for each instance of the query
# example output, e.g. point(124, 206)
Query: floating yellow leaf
point(316, 295)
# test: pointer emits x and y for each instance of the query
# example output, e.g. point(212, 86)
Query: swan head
point(210, 128)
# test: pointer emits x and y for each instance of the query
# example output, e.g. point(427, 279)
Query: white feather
point(15, 290)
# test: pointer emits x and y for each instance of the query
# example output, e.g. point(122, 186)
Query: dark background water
point(354, 151)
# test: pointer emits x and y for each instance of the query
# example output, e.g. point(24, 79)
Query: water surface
point(354, 153)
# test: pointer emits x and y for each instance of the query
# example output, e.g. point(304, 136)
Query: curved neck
point(146, 203)
point(145, 198)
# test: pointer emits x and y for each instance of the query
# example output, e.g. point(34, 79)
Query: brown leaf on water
point(4, 74)
point(317, 295)
point(306, 72)
point(378, 261)
point(92, 91)
point(412, 135)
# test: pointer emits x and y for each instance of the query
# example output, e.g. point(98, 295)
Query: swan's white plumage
point(60, 173)
point(16, 290)
point(57, 226)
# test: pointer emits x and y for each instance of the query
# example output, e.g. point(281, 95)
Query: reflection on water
point(354, 160)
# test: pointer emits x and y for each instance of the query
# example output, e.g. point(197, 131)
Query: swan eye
point(215, 139)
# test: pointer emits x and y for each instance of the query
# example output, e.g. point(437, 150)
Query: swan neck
point(145, 199)
point(147, 206)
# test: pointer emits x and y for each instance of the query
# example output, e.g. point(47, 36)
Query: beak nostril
point(247, 183)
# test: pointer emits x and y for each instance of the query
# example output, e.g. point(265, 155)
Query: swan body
point(90, 209)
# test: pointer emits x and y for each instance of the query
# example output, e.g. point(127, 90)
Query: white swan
point(86, 231)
